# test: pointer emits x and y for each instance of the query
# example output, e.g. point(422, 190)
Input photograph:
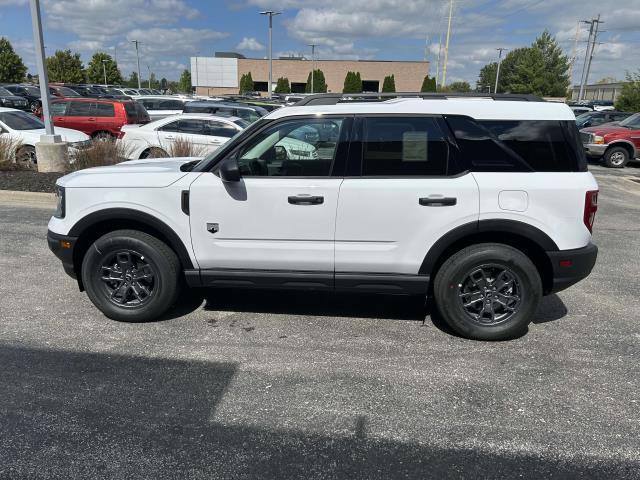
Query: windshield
point(5, 92)
point(33, 91)
point(631, 122)
point(584, 116)
point(20, 121)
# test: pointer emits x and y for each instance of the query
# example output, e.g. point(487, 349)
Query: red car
point(615, 143)
point(101, 119)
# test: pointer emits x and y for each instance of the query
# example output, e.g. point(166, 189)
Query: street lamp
point(500, 50)
point(137, 42)
point(271, 13)
point(313, 63)
point(104, 70)
point(149, 70)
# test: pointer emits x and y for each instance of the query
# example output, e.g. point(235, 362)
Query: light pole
point(149, 70)
point(270, 13)
point(500, 50)
point(195, 83)
point(136, 42)
point(104, 70)
point(313, 64)
point(446, 46)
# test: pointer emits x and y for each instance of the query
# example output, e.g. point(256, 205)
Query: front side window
point(219, 129)
point(171, 127)
point(79, 109)
point(631, 122)
point(403, 146)
point(58, 109)
point(192, 126)
point(295, 148)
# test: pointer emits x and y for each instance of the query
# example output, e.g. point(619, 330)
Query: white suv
point(483, 204)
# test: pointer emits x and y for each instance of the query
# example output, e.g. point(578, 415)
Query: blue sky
point(173, 30)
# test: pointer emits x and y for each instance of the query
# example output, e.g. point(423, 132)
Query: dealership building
point(221, 74)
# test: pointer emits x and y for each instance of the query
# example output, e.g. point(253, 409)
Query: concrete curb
point(28, 199)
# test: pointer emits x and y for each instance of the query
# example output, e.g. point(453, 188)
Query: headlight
point(598, 140)
point(60, 202)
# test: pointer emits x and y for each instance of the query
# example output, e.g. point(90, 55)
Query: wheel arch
point(530, 240)
point(628, 146)
point(93, 226)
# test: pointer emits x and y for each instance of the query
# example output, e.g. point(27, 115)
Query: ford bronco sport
point(483, 204)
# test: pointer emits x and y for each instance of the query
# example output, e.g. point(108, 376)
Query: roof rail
point(334, 98)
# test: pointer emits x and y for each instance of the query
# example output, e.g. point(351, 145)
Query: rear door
point(105, 117)
point(401, 194)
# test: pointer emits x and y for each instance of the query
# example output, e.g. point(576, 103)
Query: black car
point(250, 113)
point(30, 92)
point(9, 100)
point(595, 118)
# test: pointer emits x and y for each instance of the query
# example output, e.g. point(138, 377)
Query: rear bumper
point(571, 266)
point(62, 246)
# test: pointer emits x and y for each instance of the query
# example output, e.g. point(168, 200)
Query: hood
point(604, 129)
point(148, 173)
point(12, 100)
point(30, 137)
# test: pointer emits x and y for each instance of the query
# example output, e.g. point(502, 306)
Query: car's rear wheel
point(131, 276)
point(488, 291)
point(154, 152)
point(103, 137)
point(616, 157)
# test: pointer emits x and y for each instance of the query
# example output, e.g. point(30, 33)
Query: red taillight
point(590, 208)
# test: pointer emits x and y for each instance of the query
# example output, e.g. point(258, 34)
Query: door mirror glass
point(229, 171)
point(281, 153)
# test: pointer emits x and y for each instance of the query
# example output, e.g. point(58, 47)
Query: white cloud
point(250, 43)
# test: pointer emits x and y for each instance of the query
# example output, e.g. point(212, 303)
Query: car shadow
point(69, 414)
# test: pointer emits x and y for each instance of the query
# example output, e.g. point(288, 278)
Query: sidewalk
point(28, 199)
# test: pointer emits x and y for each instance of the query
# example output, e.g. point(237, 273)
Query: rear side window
point(105, 110)
point(403, 146)
point(218, 129)
point(518, 145)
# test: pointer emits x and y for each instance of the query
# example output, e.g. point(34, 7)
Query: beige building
point(221, 74)
point(598, 91)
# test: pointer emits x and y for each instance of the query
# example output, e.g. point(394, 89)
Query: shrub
point(181, 147)
point(8, 149)
point(100, 154)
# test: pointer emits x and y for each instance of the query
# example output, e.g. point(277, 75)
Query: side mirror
point(229, 171)
point(281, 153)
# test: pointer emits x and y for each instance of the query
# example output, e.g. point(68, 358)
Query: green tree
point(132, 81)
point(95, 70)
point(283, 85)
point(487, 77)
point(629, 99)
point(184, 84)
point(352, 83)
point(64, 66)
point(319, 83)
point(458, 87)
point(12, 70)
point(246, 83)
point(389, 84)
point(428, 84)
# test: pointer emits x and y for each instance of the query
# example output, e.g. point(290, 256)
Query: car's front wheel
point(488, 291)
point(131, 276)
point(616, 157)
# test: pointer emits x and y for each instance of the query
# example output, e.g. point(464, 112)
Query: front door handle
point(306, 200)
point(437, 201)
point(169, 137)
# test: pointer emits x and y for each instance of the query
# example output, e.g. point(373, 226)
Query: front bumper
point(571, 266)
point(594, 149)
point(62, 246)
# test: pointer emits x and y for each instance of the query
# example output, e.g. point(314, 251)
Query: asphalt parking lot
point(275, 385)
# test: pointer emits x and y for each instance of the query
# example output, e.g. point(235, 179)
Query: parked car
point(161, 106)
point(26, 130)
point(85, 90)
point(129, 92)
point(601, 105)
point(416, 197)
point(206, 132)
point(244, 111)
point(31, 93)
point(11, 100)
point(580, 109)
point(62, 91)
point(595, 118)
point(617, 144)
point(102, 119)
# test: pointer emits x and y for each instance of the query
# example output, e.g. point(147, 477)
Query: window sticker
point(414, 147)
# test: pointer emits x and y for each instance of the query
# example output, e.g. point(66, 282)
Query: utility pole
point(43, 79)
point(136, 42)
point(500, 50)
point(270, 13)
point(313, 63)
point(438, 64)
point(574, 55)
point(104, 70)
point(446, 47)
point(115, 54)
point(149, 70)
point(597, 21)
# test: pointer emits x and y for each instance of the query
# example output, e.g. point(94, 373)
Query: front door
point(279, 219)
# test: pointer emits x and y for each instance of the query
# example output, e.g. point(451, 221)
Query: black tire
point(106, 258)
point(522, 293)
point(26, 157)
point(616, 157)
point(153, 152)
point(103, 137)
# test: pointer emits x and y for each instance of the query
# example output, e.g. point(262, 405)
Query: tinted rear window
point(518, 145)
point(105, 110)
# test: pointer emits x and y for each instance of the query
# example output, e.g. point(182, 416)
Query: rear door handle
point(437, 201)
point(306, 200)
